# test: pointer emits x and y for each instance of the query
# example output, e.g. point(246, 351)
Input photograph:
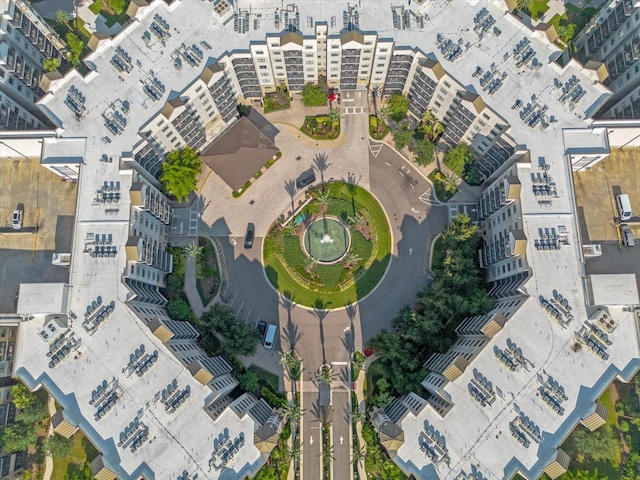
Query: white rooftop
point(469, 429)
point(42, 298)
point(615, 289)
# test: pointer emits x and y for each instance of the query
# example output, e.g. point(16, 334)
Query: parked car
point(262, 327)
point(248, 238)
point(627, 235)
point(306, 178)
point(16, 220)
point(270, 337)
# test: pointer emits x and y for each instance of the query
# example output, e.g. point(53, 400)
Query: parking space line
point(33, 162)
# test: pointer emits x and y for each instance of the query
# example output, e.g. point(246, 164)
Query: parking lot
point(47, 226)
point(598, 217)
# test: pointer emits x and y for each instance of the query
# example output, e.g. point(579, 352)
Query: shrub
point(624, 426)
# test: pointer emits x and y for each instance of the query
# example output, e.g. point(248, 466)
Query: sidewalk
point(48, 460)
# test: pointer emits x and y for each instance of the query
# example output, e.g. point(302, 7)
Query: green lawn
point(608, 467)
point(96, 6)
point(438, 252)
point(538, 7)
point(332, 295)
point(78, 25)
point(265, 377)
point(83, 452)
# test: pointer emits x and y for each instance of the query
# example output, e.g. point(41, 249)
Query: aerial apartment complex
point(516, 381)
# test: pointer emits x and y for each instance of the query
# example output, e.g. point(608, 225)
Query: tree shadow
point(291, 333)
point(352, 186)
point(291, 189)
point(349, 340)
point(321, 164)
point(272, 275)
point(320, 312)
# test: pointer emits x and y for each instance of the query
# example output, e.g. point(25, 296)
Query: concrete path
point(48, 459)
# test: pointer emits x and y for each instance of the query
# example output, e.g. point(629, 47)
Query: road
point(321, 336)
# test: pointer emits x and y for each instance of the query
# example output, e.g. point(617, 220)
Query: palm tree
point(382, 115)
point(325, 375)
point(295, 452)
point(292, 412)
point(358, 220)
point(430, 127)
point(289, 361)
point(324, 199)
point(351, 259)
point(525, 4)
point(358, 415)
point(310, 264)
point(449, 182)
point(359, 454)
point(320, 162)
point(192, 251)
point(334, 116)
point(62, 18)
point(327, 454)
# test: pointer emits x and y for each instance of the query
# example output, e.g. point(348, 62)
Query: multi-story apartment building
point(10, 463)
point(26, 40)
point(613, 38)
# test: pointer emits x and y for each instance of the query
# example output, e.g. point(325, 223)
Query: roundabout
point(333, 252)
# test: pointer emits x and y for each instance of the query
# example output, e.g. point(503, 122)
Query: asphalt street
point(330, 336)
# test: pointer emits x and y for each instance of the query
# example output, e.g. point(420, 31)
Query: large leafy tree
point(18, 436)
point(178, 310)
point(76, 46)
point(423, 152)
point(22, 396)
point(180, 172)
point(403, 136)
point(238, 337)
point(58, 446)
point(455, 293)
point(313, 95)
point(398, 106)
point(458, 157)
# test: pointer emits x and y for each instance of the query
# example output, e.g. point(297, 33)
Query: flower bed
point(321, 127)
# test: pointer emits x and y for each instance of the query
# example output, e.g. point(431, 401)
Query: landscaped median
point(322, 127)
point(296, 273)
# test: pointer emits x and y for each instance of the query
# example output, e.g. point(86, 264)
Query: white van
point(624, 207)
point(270, 337)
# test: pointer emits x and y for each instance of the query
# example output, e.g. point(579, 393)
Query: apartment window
point(485, 116)
point(165, 128)
point(447, 84)
point(261, 52)
point(383, 50)
point(263, 67)
point(437, 104)
point(265, 74)
point(309, 62)
point(202, 95)
point(262, 60)
point(199, 89)
point(209, 108)
point(443, 90)
point(309, 55)
point(440, 97)
point(160, 123)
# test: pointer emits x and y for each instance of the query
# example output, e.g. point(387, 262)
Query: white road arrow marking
point(410, 251)
point(310, 440)
point(341, 440)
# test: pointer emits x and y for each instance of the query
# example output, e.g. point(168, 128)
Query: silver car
point(627, 235)
point(16, 220)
